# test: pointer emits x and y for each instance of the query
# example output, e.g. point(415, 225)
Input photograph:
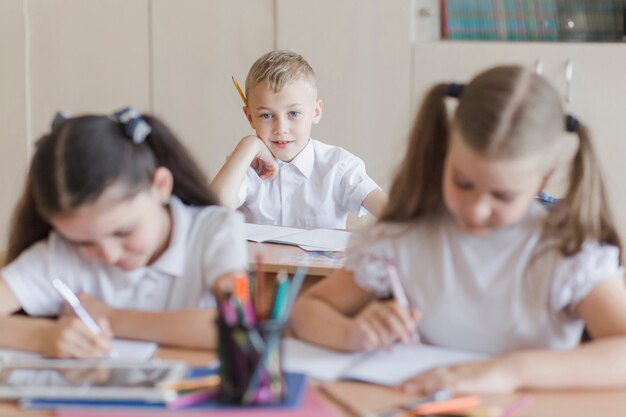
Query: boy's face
point(283, 120)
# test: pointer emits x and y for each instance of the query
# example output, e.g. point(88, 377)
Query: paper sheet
point(309, 240)
point(122, 349)
point(263, 232)
point(380, 367)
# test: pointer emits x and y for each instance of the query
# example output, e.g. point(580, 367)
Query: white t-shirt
point(317, 189)
point(206, 242)
point(504, 291)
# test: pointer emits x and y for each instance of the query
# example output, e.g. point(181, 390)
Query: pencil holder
point(250, 363)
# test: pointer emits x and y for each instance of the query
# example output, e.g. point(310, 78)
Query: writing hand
point(381, 324)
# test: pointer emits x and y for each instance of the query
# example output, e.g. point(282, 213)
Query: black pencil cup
point(250, 363)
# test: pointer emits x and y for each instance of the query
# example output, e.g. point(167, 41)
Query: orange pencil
point(458, 403)
point(211, 381)
point(260, 302)
point(242, 295)
point(243, 97)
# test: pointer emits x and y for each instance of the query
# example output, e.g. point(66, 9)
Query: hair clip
point(546, 199)
point(455, 90)
point(134, 125)
point(59, 118)
point(571, 123)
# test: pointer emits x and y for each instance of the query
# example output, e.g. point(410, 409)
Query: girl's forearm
point(25, 333)
point(328, 328)
point(599, 364)
point(185, 328)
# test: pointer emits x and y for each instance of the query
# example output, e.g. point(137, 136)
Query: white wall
point(13, 126)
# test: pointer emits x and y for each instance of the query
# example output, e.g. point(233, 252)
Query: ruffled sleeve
point(577, 275)
point(365, 258)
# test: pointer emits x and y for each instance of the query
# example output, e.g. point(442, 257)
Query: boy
point(281, 176)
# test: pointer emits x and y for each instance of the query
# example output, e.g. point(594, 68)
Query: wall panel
point(13, 150)
point(361, 53)
point(197, 48)
point(88, 56)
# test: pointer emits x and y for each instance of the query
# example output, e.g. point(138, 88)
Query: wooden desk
point(605, 403)
point(366, 397)
point(275, 257)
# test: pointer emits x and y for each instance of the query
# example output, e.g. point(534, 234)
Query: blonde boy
point(281, 175)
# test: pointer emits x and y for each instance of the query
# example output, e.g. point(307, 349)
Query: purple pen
point(229, 311)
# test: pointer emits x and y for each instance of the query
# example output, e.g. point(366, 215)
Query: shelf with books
point(520, 20)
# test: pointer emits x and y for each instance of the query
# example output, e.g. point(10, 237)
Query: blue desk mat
point(296, 386)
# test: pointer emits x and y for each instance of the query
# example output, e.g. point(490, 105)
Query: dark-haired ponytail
point(190, 184)
point(27, 225)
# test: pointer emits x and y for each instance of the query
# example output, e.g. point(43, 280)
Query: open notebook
point(380, 367)
point(309, 240)
point(121, 349)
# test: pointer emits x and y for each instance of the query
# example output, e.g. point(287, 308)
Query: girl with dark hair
point(116, 208)
point(487, 266)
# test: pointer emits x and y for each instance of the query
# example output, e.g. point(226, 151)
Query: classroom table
point(276, 256)
point(367, 398)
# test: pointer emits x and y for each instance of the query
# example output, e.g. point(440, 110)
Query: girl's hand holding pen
point(69, 337)
point(381, 324)
point(494, 376)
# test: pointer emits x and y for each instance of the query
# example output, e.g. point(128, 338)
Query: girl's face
point(129, 232)
point(483, 193)
point(283, 119)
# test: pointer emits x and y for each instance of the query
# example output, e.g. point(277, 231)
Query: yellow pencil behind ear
point(243, 97)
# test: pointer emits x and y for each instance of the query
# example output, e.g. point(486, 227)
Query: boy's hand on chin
point(265, 169)
point(264, 163)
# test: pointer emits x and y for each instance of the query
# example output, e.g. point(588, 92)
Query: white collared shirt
point(206, 242)
point(503, 291)
point(318, 188)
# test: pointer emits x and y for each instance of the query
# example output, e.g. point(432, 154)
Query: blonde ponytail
point(584, 213)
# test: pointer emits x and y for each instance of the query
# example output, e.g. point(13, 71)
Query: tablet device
point(90, 379)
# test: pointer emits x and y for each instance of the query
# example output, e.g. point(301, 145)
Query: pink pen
point(229, 310)
point(517, 406)
point(397, 289)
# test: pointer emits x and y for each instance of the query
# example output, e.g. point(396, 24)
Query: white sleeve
point(366, 260)
point(355, 184)
point(577, 275)
point(226, 247)
point(30, 275)
point(242, 195)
